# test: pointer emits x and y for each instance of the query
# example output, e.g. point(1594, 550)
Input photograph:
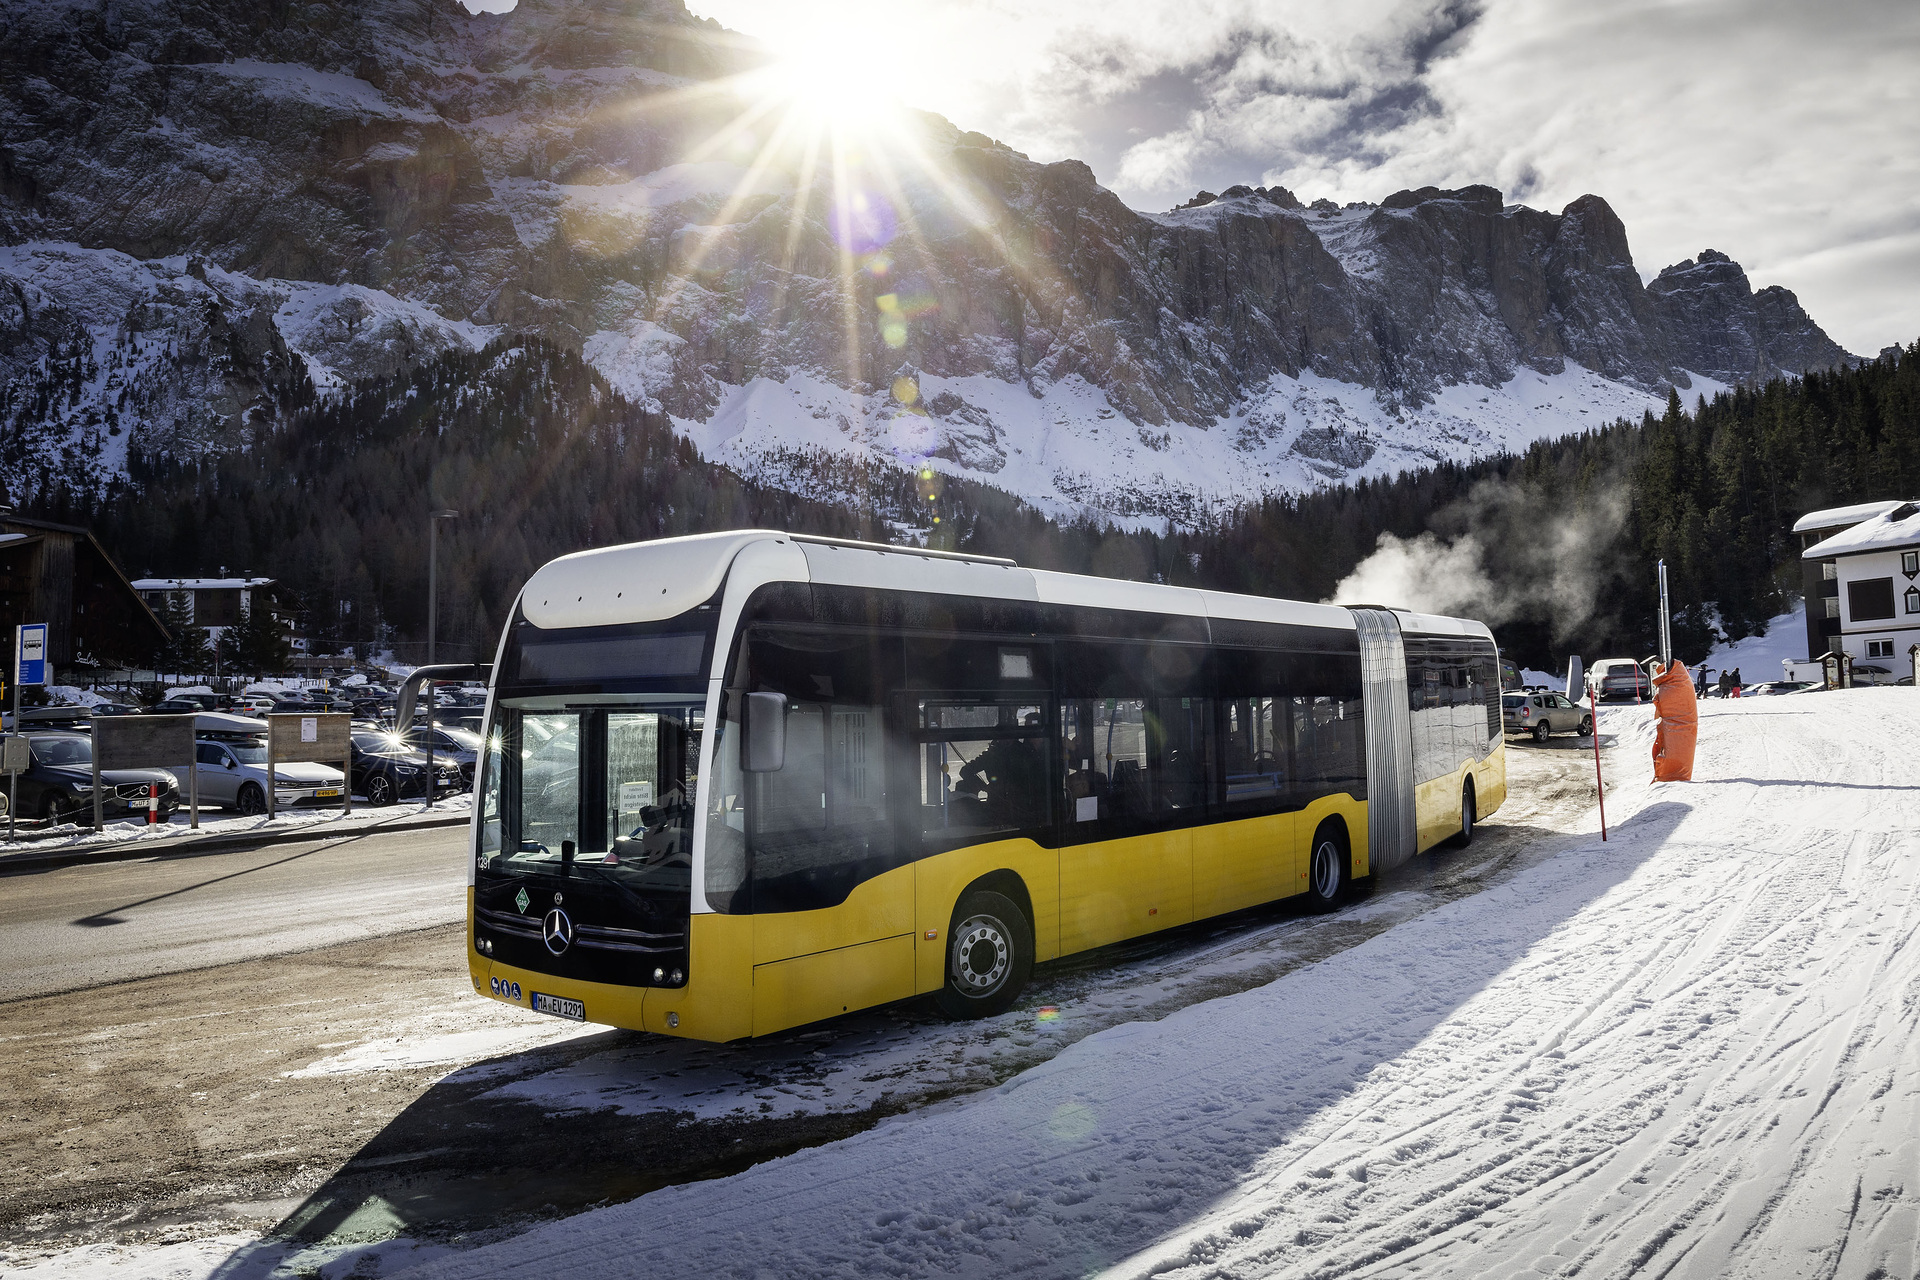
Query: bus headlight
point(677, 977)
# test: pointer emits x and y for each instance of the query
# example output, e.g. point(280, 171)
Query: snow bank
point(1687, 1048)
point(1760, 657)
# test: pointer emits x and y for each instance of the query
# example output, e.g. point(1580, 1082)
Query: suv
point(1621, 678)
point(1543, 714)
point(58, 783)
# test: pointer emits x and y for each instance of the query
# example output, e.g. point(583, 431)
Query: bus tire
point(1469, 816)
point(989, 956)
point(1328, 868)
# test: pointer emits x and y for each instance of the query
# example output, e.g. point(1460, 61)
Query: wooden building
point(59, 574)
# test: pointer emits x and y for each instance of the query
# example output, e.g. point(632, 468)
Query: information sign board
point(30, 653)
point(144, 742)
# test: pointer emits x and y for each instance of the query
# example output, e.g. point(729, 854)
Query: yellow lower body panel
point(1436, 803)
point(789, 993)
point(752, 975)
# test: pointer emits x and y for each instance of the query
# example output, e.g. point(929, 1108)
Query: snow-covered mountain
point(193, 193)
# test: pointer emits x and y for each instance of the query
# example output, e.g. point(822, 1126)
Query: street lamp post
point(433, 574)
point(433, 611)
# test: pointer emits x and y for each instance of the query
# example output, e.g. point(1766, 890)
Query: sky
point(1776, 131)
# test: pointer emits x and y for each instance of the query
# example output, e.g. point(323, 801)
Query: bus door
point(831, 890)
point(1134, 783)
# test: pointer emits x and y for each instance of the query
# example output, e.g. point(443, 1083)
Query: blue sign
point(30, 652)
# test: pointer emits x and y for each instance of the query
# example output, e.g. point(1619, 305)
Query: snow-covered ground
point(317, 820)
point(1681, 1052)
point(1686, 1051)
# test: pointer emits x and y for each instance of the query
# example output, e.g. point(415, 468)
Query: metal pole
point(430, 691)
point(1666, 621)
point(433, 588)
point(1599, 783)
point(13, 779)
point(193, 784)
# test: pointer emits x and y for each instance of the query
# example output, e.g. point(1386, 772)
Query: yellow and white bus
point(739, 782)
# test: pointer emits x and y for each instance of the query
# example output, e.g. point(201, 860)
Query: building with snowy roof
point(214, 604)
point(1867, 571)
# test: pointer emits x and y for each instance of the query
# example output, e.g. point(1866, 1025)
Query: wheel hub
point(981, 955)
point(1326, 870)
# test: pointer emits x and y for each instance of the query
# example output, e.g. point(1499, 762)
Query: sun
point(841, 80)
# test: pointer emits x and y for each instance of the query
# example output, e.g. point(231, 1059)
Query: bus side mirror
point(764, 721)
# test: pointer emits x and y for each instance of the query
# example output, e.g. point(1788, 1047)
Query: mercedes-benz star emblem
point(557, 929)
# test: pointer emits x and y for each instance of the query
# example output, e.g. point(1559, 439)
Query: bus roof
point(651, 581)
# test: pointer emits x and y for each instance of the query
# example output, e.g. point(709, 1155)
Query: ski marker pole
point(1599, 783)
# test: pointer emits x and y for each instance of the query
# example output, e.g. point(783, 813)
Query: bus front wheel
point(1327, 872)
point(989, 956)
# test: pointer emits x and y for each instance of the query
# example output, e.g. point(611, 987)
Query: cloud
point(1773, 130)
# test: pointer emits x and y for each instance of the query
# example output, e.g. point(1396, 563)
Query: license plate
point(324, 792)
point(559, 1007)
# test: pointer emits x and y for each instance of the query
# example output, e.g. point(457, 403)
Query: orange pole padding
point(1678, 725)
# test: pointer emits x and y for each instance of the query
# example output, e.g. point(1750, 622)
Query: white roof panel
point(904, 569)
point(635, 582)
point(1117, 593)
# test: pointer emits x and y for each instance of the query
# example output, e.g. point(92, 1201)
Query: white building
point(1875, 566)
point(214, 604)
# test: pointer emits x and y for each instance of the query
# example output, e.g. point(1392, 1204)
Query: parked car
point(385, 769)
point(114, 709)
point(58, 785)
point(72, 719)
point(1621, 678)
point(1870, 673)
point(1773, 688)
point(178, 707)
point(462, 746)
point(1543, 714)
point(297, 707)
point(233, 775)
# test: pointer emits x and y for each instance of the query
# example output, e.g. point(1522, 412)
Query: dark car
point(58, 785)
point(178, 706)
point(74, 719)
point(450, 742)
point(115, 709)
point(384, 769)
point(298, 706)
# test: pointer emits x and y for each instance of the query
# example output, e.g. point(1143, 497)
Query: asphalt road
point(86, 926)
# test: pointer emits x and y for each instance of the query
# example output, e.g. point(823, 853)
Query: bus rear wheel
point(1327, 872)
point(989, 956)
point(1469, 816)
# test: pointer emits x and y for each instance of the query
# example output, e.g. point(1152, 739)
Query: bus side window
point(984, 768)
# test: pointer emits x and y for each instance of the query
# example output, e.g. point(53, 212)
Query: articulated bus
point(740, 782)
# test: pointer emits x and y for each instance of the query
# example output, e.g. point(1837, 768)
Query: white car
point(234, 775)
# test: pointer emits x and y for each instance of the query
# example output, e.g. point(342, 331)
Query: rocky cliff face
point(1722, 328)
point(353, 187)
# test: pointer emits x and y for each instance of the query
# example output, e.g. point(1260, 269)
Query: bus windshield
point(602, 792)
